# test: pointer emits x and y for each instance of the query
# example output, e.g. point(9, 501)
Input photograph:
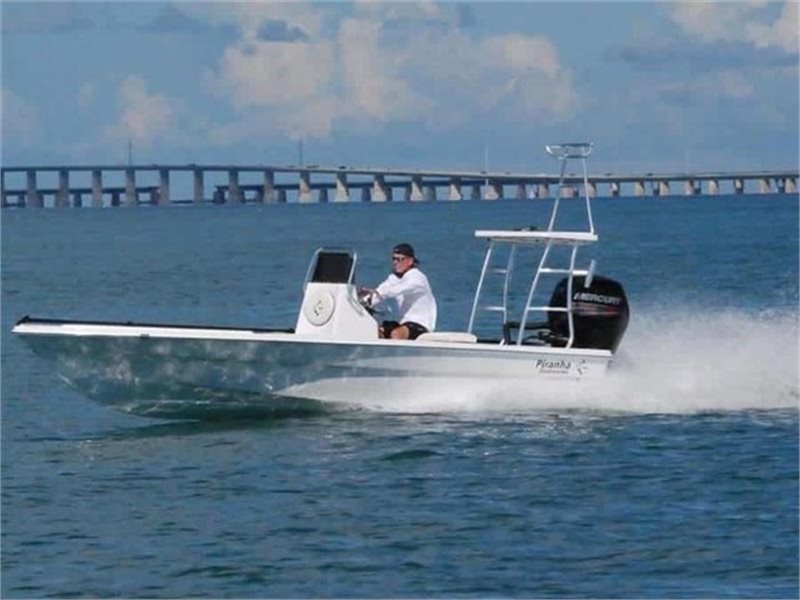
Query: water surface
point(679, 478)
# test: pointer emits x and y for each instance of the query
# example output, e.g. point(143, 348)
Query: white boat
point(333, 353)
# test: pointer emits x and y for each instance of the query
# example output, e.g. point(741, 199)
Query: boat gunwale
point(106, 329)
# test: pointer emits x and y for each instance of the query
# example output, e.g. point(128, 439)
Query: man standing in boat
point(407, 293)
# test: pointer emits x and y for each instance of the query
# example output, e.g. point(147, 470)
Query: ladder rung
point(549, 270)
point(501, 270)
point(494, 308)
point(549, 308)
point(564, 271)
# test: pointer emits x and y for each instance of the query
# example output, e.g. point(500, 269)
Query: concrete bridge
point(132, 185)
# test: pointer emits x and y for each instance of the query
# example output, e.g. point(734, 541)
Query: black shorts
point(414, 329)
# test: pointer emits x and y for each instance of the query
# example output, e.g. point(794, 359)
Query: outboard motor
point(600, 313)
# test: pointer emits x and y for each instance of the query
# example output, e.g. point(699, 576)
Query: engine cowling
point(600, 313)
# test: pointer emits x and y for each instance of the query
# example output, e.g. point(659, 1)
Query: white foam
point(672, 362)
point(704, 360)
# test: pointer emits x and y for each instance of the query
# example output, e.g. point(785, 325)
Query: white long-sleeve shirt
point(410, 297)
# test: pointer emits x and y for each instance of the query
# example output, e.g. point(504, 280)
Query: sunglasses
point(399, 257)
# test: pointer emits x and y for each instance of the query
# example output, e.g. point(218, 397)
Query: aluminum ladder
point(494, 268)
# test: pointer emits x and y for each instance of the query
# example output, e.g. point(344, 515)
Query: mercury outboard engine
point(599, 313)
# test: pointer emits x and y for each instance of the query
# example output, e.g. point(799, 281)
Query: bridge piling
point(454, 189)
point(131, 196)
point(198, 179)
point(342, 190)
point(416, 194)
point(163, 187)
point(97, 188)
point(234, 191)
point(32, 196)
point(268, 188)
point(62, 195)
point(379, 192)
point(304, 189)
point(568, 191)
point(543, 190)
point(493, 191)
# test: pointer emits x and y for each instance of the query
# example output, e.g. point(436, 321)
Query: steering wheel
point(365, 300)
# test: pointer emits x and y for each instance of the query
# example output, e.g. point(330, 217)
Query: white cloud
point(144, 117)
point(410, 13)
point(249, 16)
point(315, 120)
point(739, 21)
point(708, 21)
point(377, 68)
point(731, 85)
point(515, 75)
point(518, 52)
point(20, 119)
point(375, 87)
point(783, 33)
point(273, 74)
point(536, 82)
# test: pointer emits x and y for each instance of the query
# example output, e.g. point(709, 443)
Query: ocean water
point(677, 476)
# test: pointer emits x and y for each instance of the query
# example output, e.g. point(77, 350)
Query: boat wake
point(670, 362)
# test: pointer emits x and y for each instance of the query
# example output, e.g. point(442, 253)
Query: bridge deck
point(374, 183)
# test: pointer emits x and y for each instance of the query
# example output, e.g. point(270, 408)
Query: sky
point(658, 87)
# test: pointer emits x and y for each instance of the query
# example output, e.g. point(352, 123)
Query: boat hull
point(189, 372)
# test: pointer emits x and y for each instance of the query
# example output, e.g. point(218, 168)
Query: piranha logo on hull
point(553, 366)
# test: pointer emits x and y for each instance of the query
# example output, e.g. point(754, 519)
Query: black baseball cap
point(404, 249)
